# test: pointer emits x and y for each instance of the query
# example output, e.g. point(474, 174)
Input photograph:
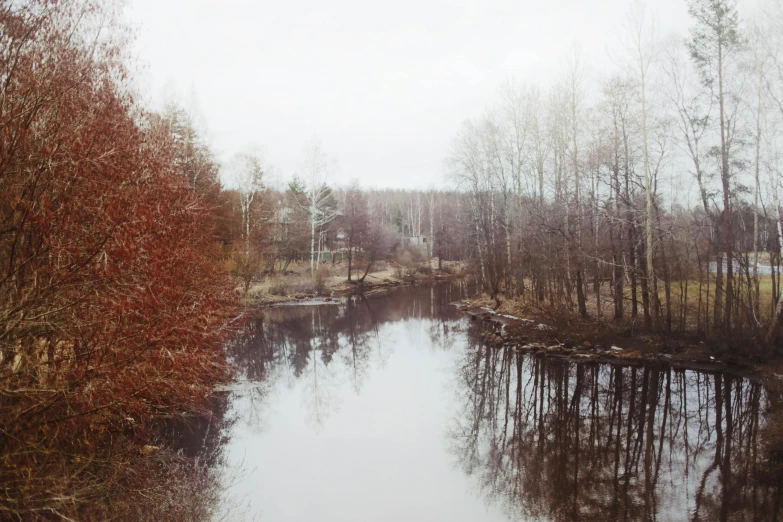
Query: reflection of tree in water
point(320, 380)
point(326, 345)
point(360, 332)
point(195, 467)
point(252, 355)
point(553, 440)
point(317, 346)
point(202, 436)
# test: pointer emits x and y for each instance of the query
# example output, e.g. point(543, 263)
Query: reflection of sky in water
point(362, 437)
point(387, 408)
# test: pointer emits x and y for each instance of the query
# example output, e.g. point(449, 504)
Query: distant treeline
point(359, 227)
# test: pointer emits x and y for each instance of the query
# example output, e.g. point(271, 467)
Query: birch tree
point(246, 171)
point(317, 166)
point(641, 46)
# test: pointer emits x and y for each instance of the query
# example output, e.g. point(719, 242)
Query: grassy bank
point(331, 280)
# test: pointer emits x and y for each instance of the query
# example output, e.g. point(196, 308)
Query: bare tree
point(759, 70)
point(574, 87)
point(355, 223)
point(641, 45)
point(714, 40)
point(380, 241)
point(246, 172)
point(318, 201)
point(774, 39)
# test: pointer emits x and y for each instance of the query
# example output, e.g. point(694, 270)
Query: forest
point(649, 193)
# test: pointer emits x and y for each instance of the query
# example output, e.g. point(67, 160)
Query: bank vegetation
point(648, 196)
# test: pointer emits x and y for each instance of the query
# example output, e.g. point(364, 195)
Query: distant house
point(419, 242)
point(281, 222)
point(284, 214)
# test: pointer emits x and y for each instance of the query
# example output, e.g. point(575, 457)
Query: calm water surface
point(389, 408)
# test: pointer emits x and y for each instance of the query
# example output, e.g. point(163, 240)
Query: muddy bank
point(579, 339)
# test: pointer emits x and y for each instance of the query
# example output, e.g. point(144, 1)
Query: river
point(389, 408)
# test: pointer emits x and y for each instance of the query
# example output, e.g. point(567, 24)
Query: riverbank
point(576, 339)
point(297, 285)
point(570, 336)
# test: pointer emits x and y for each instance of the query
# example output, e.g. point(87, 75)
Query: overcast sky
point(383, 86)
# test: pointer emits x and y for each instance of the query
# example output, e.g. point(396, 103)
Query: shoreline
point(534, 335)
point(528, 335)
point(344, 288)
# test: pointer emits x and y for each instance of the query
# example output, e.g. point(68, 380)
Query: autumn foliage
point(112, 291)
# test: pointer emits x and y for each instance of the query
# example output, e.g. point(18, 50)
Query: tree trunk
point(755, 305)
point(645, 293)
point(648, 215)
point(580, 293)
point(631, 270)
point(312, 242)
point(777, 317)
point(718, 305)
point(727, 221)
point(350, 260)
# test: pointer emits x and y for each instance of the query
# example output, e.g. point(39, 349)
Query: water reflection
point(302, 342)
point(352, 405)
point(552, 440)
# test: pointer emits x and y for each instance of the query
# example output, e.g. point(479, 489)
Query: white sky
point(383, 86)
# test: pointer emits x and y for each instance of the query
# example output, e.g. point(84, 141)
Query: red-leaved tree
point(112, 295)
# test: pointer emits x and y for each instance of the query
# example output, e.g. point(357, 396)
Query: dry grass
point(333, 278)
point(678, 293)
